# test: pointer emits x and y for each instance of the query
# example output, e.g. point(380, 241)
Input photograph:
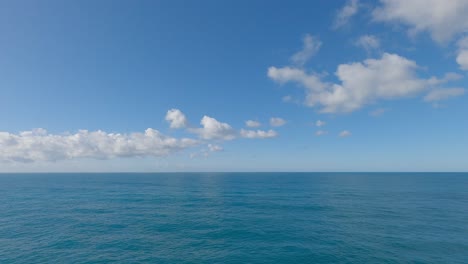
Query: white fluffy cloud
point(311, 46)
point(360, 83)
point(443, 19)
point(442, 94)
point(213, 129)
point(462, 56)
point(462, 59)
point(349, 10)
point(176, 118)
point(252, 123)
point(368, 42)
point(344, 133)
point(277, 121)
point(258, 133)
point(38, 145)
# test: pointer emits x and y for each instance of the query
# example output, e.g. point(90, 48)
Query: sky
point(149, 86)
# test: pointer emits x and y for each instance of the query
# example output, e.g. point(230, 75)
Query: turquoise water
point(234, 218)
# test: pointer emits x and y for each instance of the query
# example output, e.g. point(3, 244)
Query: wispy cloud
point(320, 133)
point(443, 94)
point(311, 46)
point(344, 133)
point(277, 121)
point(368, 42)
point(319, 123)
point(378, 112)
point(344, 15)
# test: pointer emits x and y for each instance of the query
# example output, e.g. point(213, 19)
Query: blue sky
point(83, 80)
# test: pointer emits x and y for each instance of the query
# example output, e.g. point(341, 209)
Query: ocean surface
point(234, 218)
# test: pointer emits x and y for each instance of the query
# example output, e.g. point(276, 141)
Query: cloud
point(176, 118)
point(443, 94)
point(378, 112)
point(206, 151)
point(360, 83)
point(251, 123)
point(258, 133)
point(38, 145)
point(320, 133)
point(349, 10)
point(277, 121)
point(288, 74)
point(442, 19)
point(311, 46)
point(214, 148)
point(448, 77)
point(287, 98)
point(344, 133)
point(213, 129)
point(368, 42)
point(320, 123)
point(462, 56)
point(462, 59)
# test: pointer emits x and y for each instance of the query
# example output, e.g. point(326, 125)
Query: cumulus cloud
point(258, 133)
point(462, 59)
point(360, 83)
point(213, 129)
point(442, 19)
point(251, 123)
point(368, 42)
point(320, 123)
point(462, 56)
point(349, 10)
point(443, 94)
point(38, 145)
point(320, 133)
point(277, 121)
point(310, 48)
point(344, 133)
point(176, 118)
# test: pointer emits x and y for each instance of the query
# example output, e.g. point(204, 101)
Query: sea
point(234, 218)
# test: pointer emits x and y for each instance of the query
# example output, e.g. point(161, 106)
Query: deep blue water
point(234, 218)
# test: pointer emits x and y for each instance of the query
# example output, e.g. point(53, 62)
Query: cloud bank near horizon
point(39, 145)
